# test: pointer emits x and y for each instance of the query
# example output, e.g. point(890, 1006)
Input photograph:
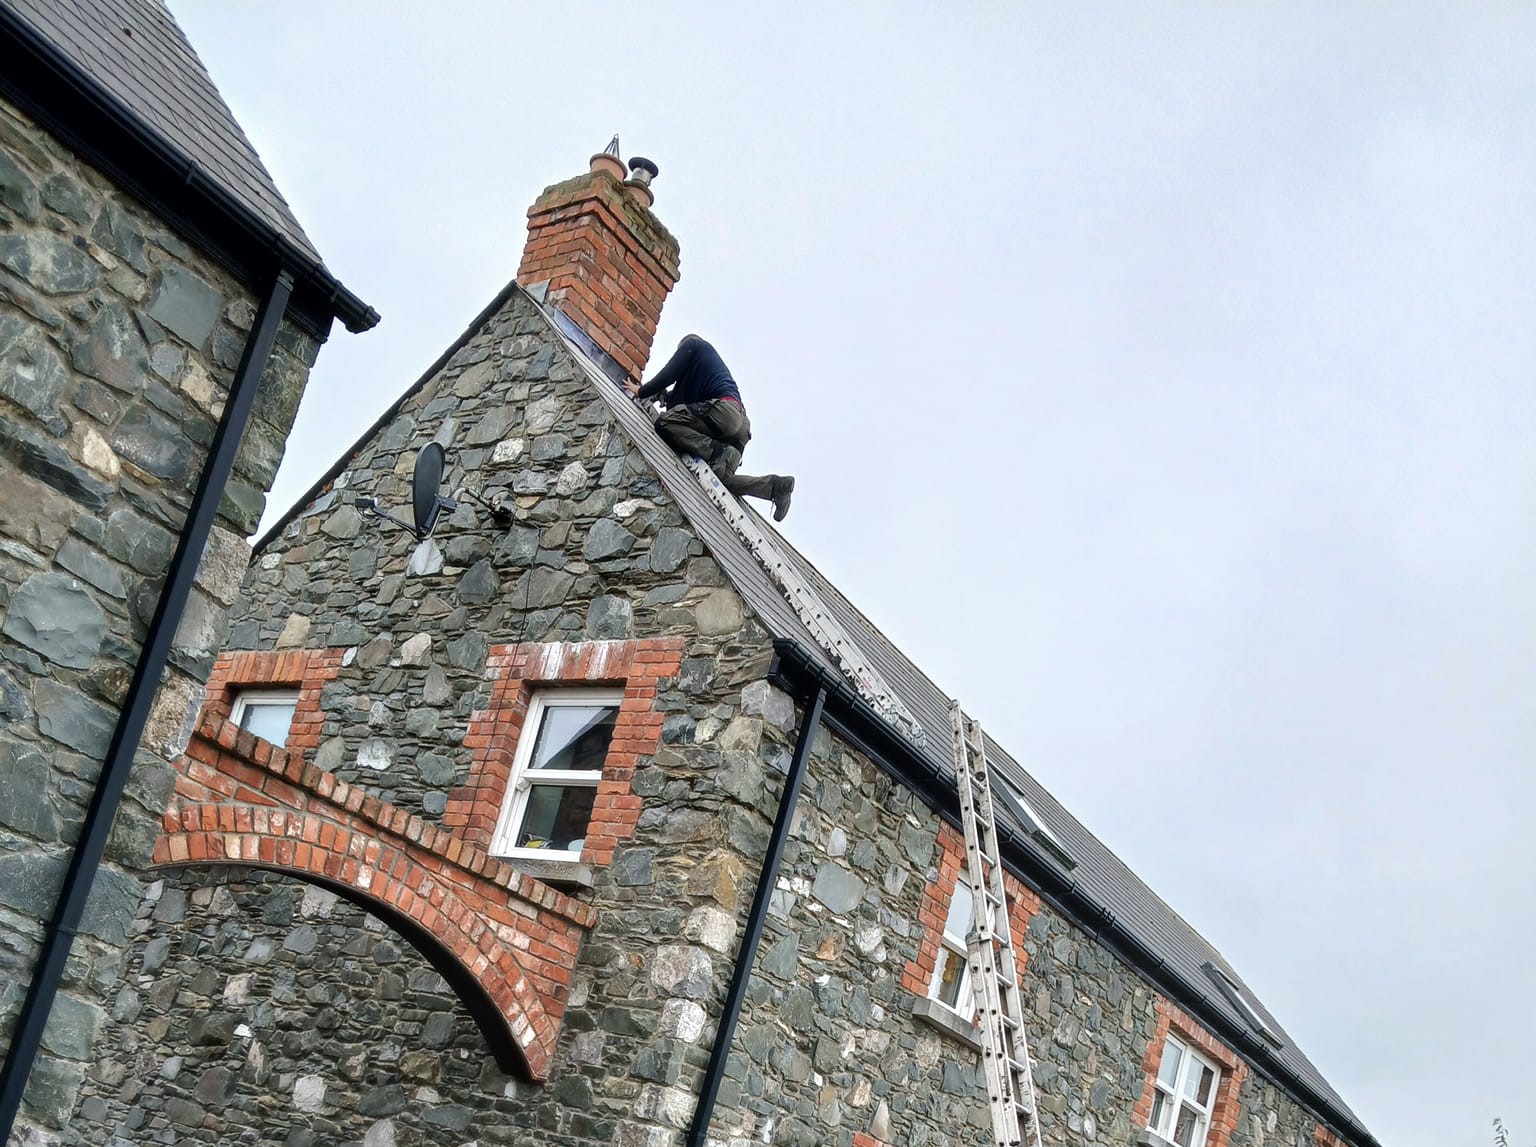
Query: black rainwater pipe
point(60, 935)
point(747, 953)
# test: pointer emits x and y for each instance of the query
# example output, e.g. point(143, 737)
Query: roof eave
point(52, 89)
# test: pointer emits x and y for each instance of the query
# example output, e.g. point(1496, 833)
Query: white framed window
point(555, 774)
point(951, 984)
point(266, 712)
point(1186, 1092)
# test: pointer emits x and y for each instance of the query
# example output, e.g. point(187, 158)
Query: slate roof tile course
point(137, 53)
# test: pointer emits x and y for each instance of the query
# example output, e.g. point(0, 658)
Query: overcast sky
point(1160, 379)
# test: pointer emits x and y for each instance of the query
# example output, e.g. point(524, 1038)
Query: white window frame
point(1175, 1099)
point(245, 697)
point(523, 779)
point(965, 1004)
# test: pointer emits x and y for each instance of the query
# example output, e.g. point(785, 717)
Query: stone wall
point(117, 345)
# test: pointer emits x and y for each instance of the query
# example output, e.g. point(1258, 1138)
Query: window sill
point(552, 871)
point(946, 1020)
point(1151, 1139)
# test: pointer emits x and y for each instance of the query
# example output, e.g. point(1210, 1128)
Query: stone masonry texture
point(118, 342)
point(258, 1006)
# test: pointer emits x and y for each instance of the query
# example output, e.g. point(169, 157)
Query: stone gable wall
point(118, 342)
point(598, 552)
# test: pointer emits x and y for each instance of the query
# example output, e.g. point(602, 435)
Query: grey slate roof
point(135, 50)
point(1099, 872)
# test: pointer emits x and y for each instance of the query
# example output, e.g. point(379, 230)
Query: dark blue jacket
point(695, 373)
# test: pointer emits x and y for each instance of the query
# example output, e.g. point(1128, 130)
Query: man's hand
point(632, 388)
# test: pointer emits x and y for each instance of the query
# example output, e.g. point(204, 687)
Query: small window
point(1011, 797)
point(1186, 1092)
point(951, 973)
point(266, 712)
point(556, 773)
point(1229, 988)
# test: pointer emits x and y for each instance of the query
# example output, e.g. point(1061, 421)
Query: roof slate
point(136, 52)
point(1101, 874)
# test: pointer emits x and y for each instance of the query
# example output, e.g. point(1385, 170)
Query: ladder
point(994, 970)
point(825, 628)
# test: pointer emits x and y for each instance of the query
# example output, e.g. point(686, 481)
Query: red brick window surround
point(917, 976)
point(1171, 1019)
point(1325, 1138)
point(305, 670)
point(517, 672)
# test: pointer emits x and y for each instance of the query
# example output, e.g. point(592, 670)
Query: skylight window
point(1234, 994)
point(1013, 802)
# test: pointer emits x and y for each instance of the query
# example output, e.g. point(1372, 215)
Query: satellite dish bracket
point(426, 503)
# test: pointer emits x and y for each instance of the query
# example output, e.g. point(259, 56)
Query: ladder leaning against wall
point(994, 971)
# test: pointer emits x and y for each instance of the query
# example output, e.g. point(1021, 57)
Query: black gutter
point(48, 972)
point(53, 89)
point(384, 419)
point(746, 953)
point(850, 717)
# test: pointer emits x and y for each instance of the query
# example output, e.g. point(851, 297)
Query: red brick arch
point(505, 941)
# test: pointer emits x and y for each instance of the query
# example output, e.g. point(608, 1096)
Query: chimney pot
point(608, 160)
point(642, 170)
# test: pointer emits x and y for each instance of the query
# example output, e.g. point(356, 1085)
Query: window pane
point(951, 979)
point(1198, 1085)
point(269, 720)
point(958, 924)
point(1159, 1108)
point(1168, 1072)
point(574, 737)
point(556, 817)
point(1190, 1129)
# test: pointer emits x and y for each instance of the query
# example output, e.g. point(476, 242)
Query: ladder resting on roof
point(994, 970)
point(825, 628)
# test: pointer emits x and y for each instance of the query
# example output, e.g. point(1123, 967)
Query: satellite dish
point(426, 502)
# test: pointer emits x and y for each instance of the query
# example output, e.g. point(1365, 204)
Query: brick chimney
point(606, 260)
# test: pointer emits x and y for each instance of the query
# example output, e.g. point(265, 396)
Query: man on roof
point(705, 418)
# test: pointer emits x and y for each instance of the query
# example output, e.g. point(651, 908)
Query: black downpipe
point(60, 935)
point(747, 952)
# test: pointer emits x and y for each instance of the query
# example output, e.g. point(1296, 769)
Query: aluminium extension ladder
point(994, 971)
point(825, 628)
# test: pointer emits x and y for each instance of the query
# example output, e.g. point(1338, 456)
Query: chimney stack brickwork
point(608, 261)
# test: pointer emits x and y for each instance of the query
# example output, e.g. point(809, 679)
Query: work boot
point(783, 490)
